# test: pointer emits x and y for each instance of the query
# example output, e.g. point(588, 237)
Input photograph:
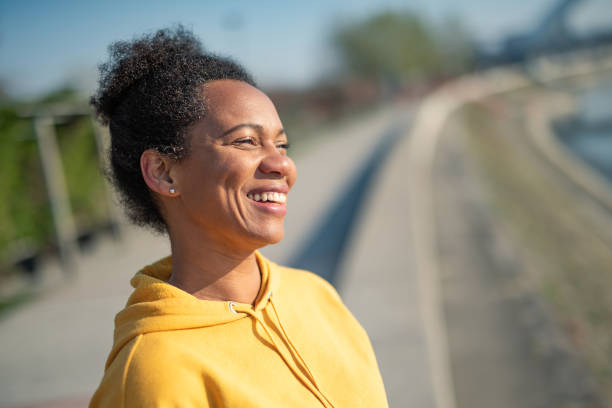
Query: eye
point(284, 146)
point(245, 141)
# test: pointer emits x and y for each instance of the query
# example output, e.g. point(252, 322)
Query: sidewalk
point(378, 282)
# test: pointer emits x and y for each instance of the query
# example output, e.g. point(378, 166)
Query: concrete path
point(379, 284)
point(54, 349)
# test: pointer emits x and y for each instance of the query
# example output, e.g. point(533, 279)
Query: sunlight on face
point(235, 180)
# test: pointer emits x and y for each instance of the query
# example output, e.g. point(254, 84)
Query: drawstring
point(309, 380)
point(296, 352)
point(298, 374)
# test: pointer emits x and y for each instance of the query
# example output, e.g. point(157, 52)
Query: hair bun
point(131, 61)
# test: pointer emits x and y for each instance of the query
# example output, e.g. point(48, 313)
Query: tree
point(400, 46)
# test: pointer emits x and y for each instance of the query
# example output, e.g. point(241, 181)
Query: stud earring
point(172, 190)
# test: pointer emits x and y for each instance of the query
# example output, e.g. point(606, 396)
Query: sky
point(46, 44)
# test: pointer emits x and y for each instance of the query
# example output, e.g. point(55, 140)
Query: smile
point(270, 197)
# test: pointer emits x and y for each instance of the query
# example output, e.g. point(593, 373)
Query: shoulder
point(306, 282)
point(150, 371)
point(165, 355)
point(303, 291)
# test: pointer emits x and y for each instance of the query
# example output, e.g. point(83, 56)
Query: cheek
point(292, 173)
point(235, 170)
point(199, 178)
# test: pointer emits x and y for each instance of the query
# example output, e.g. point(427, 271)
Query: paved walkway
point(379, 284)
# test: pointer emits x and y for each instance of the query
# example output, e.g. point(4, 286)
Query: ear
point(156, 169)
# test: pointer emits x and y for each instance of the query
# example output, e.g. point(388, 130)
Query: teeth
point(275, 197)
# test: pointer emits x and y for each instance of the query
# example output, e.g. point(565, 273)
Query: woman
point(199, 152)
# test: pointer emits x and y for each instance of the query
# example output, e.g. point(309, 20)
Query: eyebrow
point(256, 127)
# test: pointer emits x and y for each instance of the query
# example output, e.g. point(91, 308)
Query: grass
point(12, 302)
point(546, 217)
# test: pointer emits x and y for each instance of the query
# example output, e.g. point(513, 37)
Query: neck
point(204, 269)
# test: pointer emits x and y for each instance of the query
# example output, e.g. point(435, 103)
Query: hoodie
point(297, 346)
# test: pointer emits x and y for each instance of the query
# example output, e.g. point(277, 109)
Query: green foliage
point(399, 46)
point(24, 210)
point(14, 301)
point(454, 46)
point(83, 176)
point(62, 95)
point(25, 213)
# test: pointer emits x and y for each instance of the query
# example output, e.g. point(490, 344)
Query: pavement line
point(425, 135)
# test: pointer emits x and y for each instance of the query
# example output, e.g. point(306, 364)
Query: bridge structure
point(552, 34)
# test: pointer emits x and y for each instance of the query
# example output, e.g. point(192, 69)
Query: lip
point(275, 188)
point(270, 207)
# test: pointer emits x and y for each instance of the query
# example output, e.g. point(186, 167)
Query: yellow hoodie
point(298, 346)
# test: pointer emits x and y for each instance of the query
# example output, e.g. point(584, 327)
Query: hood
point(156, 305)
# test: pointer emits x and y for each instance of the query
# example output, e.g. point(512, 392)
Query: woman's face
point(236, 178)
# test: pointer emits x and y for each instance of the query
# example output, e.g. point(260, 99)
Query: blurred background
point(455, 167)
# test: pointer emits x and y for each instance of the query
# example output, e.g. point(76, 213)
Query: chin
point(271, 236)
point(275, 240)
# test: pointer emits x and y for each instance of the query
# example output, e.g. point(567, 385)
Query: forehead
point(234, 101)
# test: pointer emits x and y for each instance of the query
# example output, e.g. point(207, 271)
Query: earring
point(172, 190)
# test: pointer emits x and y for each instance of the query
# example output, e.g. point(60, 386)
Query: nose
point(275, 162)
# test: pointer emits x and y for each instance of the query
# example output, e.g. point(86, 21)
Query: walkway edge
point(424, 137)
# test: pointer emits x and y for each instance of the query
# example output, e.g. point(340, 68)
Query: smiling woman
point(199, 152)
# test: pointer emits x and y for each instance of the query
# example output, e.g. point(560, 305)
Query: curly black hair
point(149, 95)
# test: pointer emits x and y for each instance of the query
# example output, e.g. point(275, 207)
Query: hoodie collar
point(155, 305)
point(151, 283)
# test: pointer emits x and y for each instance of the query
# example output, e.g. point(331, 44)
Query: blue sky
point(44, 44)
